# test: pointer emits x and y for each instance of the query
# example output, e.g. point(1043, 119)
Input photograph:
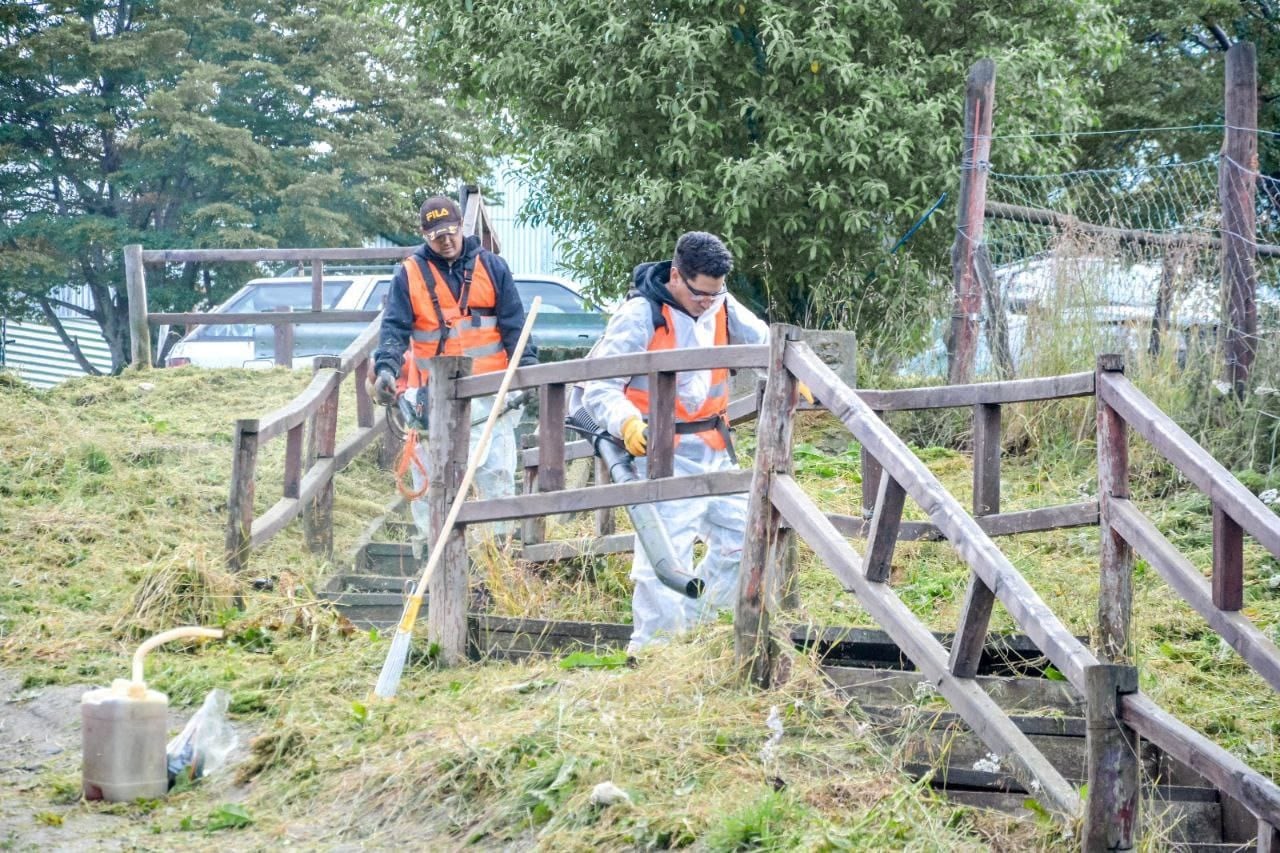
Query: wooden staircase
point(867, 668)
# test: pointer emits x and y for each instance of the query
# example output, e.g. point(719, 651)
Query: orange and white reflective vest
point(470, 322)
point(713, 414)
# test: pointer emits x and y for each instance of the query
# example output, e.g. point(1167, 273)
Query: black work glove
point(384, 387)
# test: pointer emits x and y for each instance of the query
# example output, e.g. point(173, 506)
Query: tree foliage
point(209, 123)
point(811, 135)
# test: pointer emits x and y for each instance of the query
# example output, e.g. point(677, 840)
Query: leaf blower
point(650, 531)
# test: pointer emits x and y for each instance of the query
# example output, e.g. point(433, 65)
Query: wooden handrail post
point(1268, 838)
point(533, 530)
point(244, 463)
point(1111, 813)
point(282, 343)
point(975, 616)
point(551, 412)
point(449, 439)
point(760, 583)
point(1228, 561)
point(606, 523)
point(662, 425)
point(966, 310)
point(871, 473)
point(317, 285)
point(317, 516)
point(884, 530)
point(364, 403)
point(1115, 578)
point(136, 288)
point(1237, 188)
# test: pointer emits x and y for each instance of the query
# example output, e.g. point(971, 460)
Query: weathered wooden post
point(136, 288)
point(317, 515)
point(364, 403)
point(1115, 577)
point(1228, 561)
point(760, 583)
point(966, 310)
point(1111, 813)
point(975, 616)
point(871, 473)
point(1268, 838)
point(662, 425)
point(606, 523)
point(1237, 173)
point(449, 437)
point(240, 502)
point(533, 529)
point(282, 341)
point(317, 285)
point(551, 412)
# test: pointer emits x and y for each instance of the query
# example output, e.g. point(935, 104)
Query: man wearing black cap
point(451, 297)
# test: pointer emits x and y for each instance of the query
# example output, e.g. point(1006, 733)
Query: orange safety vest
point(714, 411)
point(470, 322)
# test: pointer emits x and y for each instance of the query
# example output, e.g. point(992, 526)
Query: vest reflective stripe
point(474, 334)
point(717, 402)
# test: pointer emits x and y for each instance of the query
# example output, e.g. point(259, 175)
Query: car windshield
point(269, 296)
point(556, 298)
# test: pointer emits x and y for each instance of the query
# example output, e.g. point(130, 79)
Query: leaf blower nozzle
point(650, 531)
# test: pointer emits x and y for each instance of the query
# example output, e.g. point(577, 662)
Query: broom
point(393, 667)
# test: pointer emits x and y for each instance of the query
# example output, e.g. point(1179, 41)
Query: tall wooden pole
point(136, 287)
point(448, 446)
point(966, 309)
point(1236, 191)
point(1115, 574)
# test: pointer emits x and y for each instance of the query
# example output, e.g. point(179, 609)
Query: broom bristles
point(393, 666)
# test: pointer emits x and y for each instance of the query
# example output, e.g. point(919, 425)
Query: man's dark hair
point(700, 253)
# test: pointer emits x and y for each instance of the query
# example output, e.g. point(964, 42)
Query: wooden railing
point(308, 480)
point(475, 221)
point(1117, 712)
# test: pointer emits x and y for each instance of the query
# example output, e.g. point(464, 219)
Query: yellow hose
point(164, 637)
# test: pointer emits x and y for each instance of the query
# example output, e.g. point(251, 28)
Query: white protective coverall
point(496, 476)
point(719, 522)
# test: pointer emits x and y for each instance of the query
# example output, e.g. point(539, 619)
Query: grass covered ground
point(112, 505)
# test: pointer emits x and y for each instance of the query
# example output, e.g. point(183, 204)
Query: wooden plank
point(136, 290)
point(318, 512)
point(760, 581)
point(285, 510)
point(534, 527)
point(379, 253)
point(1058, 517)
point(1115, 580)
point(551, 401)
point(988, 393)
point(301, 407)
point(449, 437)
point(244, 462)
point(1195, 463)
point(1268, 838)
point(1237, 192)
point(911, 715)
point(1222, 769)
point(1111, 810)
point(614, 494)
point(975, 615)
point(662, 425)
point(1228, 562)
point(317, 285)
point(743, 409)
point(884, 530)
point(260, 318)
point(1234, 627)
point(966, 313)
point(569, 549)
point(1022, 602)
point(1025, 696)
point(581, 449)
point(735, 357)
point(979, 710)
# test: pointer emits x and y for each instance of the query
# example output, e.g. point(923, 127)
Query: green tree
point(210, 123)
point(811, 135)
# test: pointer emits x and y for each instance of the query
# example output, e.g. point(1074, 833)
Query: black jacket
point(397, 322)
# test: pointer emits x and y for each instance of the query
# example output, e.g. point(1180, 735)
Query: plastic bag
point(205, 742)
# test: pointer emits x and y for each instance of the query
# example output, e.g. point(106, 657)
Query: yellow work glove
point(635, 436)
point(805, 392)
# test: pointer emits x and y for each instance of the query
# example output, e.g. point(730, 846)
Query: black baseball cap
point(440, 215)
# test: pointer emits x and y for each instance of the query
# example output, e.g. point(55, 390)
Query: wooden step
point(887, 687)
point(394, 559)
point(1184, 824)
point(1003, 654)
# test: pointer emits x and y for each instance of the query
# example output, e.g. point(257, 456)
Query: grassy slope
point(105, 486)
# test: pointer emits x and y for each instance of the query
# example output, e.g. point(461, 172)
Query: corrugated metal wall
point(527, 248)
point(39, 356)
